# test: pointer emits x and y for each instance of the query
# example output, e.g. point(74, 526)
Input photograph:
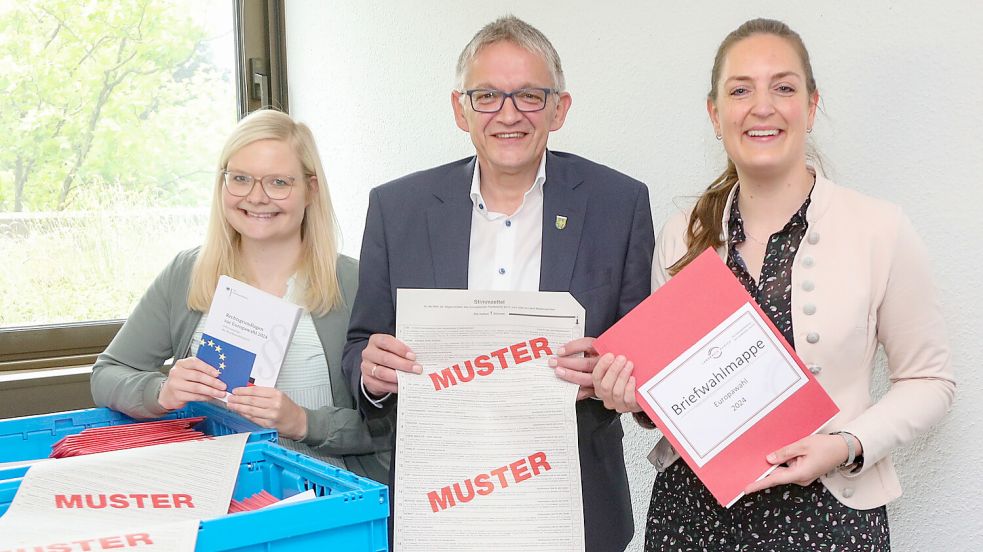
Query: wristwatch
point(853, 462)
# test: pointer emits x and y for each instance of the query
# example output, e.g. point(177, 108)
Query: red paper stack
point(259, 500)
point(105, 439)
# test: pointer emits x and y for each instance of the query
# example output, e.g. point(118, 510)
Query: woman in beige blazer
point(838, 273)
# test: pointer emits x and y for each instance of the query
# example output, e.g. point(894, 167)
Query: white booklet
point(247, 333)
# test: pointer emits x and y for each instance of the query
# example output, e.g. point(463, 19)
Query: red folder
point(668, 324)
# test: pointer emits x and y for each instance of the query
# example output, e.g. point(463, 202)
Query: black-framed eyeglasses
point(241, 184)
point(489, 100)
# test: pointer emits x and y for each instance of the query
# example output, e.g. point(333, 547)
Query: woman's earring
point(720, 136)
point(809, 130)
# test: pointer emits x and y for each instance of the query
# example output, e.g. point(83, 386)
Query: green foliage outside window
point(111, 113)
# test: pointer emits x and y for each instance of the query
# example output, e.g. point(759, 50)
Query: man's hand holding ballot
point(382, 357)
point(722, 384)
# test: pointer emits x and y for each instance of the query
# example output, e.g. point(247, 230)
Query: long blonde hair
point(706, 220)
point(319, 245)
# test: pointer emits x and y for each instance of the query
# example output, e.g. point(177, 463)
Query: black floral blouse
point(773, 290)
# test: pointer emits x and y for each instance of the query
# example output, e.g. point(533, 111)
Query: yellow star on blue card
point(234, 364)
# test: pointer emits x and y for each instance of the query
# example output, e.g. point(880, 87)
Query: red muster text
point(120, 501)
point(486, 483)
point(483, 365)
point(115, 542)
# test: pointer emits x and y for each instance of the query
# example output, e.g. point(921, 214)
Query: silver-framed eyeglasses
point(489, 100)
point(241, 184)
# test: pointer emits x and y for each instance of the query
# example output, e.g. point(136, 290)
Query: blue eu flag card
point(234, 364)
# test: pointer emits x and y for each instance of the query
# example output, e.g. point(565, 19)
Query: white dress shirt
point(506, 250)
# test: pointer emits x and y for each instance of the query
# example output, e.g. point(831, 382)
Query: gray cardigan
point(127, 376)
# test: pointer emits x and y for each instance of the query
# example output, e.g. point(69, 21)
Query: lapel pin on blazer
point(561, 222)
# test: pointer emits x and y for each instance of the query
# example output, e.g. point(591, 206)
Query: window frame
point(261, 35)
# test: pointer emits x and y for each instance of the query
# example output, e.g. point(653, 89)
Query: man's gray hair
point(512, 29)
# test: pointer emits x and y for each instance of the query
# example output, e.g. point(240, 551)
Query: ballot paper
point(149, 498)
point(486, 439)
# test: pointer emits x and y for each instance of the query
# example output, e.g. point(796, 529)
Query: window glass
point(113, 116)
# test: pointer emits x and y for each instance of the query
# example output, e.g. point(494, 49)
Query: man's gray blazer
point(417, 235)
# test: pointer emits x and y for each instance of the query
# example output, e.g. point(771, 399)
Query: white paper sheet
point(724, 384)
point(149, 498)
point(487, 457)
point(299, 497)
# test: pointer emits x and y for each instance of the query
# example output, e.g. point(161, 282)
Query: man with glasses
point(514, 217)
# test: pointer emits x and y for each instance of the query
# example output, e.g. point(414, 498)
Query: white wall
point(901, 84)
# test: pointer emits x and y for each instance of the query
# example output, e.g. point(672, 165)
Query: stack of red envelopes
point(105, 439)
point(259, 500)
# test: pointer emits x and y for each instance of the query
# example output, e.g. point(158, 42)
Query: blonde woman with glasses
point(272, 226)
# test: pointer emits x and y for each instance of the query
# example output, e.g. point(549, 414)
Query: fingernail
point(772, 458)
point(552, 362)
point(561, 351)
point(417, 369)
point(411, 355)
point(561, 371)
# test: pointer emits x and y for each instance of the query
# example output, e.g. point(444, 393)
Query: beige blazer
point(861, 278)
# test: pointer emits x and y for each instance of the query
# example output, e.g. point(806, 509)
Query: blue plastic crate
point(349, 514)
point(32, 437)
